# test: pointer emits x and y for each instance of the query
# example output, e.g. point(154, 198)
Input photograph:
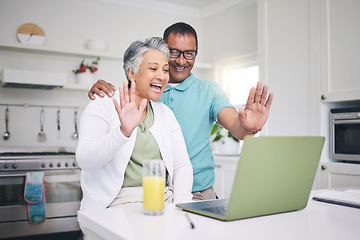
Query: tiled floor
point(56, 236)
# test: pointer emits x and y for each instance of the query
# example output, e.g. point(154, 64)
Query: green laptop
point(274, 175)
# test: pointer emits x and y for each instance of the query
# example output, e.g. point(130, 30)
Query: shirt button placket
point(171, 98)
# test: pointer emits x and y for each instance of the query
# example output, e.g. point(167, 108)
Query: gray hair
point(133, 55)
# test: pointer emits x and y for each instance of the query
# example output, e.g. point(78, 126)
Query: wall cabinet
point(225, 169)
point(340, 48)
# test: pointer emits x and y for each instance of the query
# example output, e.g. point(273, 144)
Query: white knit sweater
point(103, 152)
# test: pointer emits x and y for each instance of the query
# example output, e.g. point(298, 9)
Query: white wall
point(285, 65)
point(230, 33)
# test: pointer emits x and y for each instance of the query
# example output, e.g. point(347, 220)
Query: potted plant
point(223, 141)
point(84, 73)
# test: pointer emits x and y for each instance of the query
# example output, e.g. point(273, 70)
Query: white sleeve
point(183, 171)
point(99, 135)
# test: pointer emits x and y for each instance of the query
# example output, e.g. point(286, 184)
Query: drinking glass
point(154, 186)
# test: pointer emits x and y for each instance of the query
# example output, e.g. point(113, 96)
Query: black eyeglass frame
point(183, 53)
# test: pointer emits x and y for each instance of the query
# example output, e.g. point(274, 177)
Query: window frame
point(243, 61)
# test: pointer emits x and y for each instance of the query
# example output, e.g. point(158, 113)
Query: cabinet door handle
point(217, 166)
point(323, 167)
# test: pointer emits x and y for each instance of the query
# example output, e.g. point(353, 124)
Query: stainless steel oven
point(62, 190)
point(345, 134)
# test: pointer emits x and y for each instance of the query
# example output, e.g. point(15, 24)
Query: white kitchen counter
point(317, 221)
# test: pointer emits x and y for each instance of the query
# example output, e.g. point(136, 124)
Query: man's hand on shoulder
point(101, 88)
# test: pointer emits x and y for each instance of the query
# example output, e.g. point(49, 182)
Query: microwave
point(345, 134)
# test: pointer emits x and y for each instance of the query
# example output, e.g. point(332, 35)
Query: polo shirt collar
point(183, 85)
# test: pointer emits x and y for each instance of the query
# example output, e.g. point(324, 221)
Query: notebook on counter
point(274, 175)
point(349, 197)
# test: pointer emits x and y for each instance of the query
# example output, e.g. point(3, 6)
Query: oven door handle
point(68, 172)
point(346, 121)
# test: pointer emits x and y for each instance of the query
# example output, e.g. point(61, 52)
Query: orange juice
point(153, 193)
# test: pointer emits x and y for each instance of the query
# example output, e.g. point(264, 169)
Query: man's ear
point(131, 74)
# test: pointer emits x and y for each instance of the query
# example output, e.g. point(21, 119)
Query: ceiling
point(190, 8)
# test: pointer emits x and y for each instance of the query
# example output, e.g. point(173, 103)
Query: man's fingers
point(269, 101)
point(112, 87)
point(264, 94)
point(258, 92)
point(91, 95)
point(106, 87)
point(251, 97)
point(241, 114)
point(95, 90)
point(101, 87)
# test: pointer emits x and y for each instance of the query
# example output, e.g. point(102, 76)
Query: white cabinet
point(335, 175)
point(308, 49)
point(225, 169)
point(340, 48)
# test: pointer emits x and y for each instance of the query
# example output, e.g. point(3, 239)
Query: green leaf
point(215, 128)
point(218, 137)
point(231, 136)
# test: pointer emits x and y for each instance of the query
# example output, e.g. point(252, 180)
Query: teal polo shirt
point(196, 104)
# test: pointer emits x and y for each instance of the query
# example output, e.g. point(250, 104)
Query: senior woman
point(114, 138)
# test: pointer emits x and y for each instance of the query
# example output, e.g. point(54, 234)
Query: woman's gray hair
point(133, 55)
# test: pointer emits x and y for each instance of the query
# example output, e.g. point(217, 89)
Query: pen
point(191, 223)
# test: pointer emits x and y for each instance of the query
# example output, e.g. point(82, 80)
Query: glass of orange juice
point(154, 186)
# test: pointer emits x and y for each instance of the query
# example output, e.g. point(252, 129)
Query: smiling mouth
point(156, 87)
point(179, 68)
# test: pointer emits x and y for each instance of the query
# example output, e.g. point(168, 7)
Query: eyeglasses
point(188, 54)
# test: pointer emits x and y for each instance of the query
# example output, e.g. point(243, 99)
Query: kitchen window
point(237, 76)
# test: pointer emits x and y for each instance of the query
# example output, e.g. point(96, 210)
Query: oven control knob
point(43, 165)
point(66, 164)
point(59, 165)
point(51, 165)
point(74, 164)
point(6, 166)
point(14, 166)
point(358, 115)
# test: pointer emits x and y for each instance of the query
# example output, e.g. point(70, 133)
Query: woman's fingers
point(132, 91)
point(126, 91)
point(117, 107)
point(122, 97)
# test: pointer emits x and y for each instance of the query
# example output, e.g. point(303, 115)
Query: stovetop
point(32, 159)
point(23, 151)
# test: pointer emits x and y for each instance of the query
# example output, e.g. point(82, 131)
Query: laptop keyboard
point(216, 210)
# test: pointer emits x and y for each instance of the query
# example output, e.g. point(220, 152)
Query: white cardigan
point(103, 152)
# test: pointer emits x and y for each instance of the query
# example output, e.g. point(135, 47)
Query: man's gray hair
point(133, 55)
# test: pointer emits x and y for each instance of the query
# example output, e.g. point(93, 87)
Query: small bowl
point(96, 45)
